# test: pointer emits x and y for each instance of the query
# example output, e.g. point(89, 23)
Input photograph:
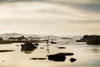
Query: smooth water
point(86, 55)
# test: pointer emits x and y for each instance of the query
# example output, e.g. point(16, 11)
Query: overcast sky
point(53, 17)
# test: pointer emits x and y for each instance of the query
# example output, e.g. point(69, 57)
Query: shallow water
point(85, 55)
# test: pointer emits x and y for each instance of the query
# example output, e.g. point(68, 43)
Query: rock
point(53, 42)
point(66, 54)
point(36, 44)
point(28, 46)
point(90, 39)
point(38, 58)
point(61, 47)
point(6, 50)
point(72, 59)
point(59, 56)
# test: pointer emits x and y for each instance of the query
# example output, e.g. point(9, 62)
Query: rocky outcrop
point(28, 46)
point(59, 56)
point(90, 39)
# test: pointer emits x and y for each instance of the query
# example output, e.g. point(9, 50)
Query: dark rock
point(72, 59)
point(28, 46)
point(38, 58)
point(6, 50)
point(53, 42)
point(57, 57)
point(66, 54)
point(61, 47)
point(36, 44)
point(78, 40)
point(90, 39)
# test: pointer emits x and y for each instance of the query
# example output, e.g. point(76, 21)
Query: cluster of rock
point(90, 39)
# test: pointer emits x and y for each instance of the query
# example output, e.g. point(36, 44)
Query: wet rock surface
point(90, 39)
point(59, 56)
point(28, 46)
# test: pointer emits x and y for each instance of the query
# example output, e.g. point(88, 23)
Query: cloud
point(50, 17)
point(86, 5)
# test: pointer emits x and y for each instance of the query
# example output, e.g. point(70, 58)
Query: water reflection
point(95, 50)
point(26, 52)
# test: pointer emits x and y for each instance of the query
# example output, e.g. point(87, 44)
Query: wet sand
point(84, 55)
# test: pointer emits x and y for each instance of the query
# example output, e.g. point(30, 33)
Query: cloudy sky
point(53, 17)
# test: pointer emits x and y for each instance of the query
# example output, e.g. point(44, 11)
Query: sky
point(50, 17)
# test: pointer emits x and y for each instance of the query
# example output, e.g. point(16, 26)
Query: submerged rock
point(72, 59)
point(90, 39)
point(61, 47)
point(28, 46)
point(53, 42)
point(41, 47)
point(6, 50)
point(38, 58)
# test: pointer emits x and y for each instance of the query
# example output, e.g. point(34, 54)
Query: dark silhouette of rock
point(38, 58)
point(53, 42)
point(72, 59)
point(66, 54)
point(17, 45)
point(36, 44)
point(61, 47)
point(6, 50)
point(90, 39)
point(59, 56)
point(28, 46)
